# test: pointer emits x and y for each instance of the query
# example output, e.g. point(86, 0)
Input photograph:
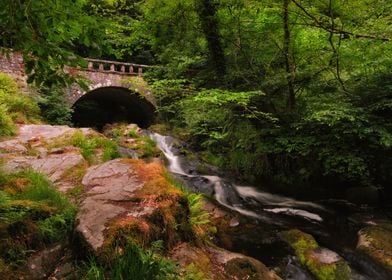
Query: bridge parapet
point(123, 68)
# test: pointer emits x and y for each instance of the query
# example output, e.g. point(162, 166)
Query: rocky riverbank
point(124, 208)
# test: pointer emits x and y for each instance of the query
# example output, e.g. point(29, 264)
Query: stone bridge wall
point(98, 74)
point(12, 64)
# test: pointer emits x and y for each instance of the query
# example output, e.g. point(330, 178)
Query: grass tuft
point(33, 214)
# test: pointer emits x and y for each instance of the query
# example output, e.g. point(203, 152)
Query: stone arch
point(112, 104)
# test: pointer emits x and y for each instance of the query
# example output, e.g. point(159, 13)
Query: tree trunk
point(289, 65)
point(209, 23)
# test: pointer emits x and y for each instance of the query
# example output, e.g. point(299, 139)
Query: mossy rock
point(247, 268)
point(322, 263)
point(376, 243)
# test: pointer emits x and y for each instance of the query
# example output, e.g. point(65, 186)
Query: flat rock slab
point(107, 186)
point(54, 163)
point(46, 132)
point(12, 146)
point(34, 135)
point(54, 166)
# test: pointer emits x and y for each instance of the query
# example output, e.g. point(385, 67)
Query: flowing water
point(332, 223)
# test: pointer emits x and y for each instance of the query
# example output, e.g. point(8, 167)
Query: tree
point(46, 32)
point(207, 10)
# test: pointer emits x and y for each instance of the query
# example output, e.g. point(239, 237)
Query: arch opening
point(112, 104)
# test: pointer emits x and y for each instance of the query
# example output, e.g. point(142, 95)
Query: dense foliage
point(15, 107)
point(293, 93)
point(305, 99)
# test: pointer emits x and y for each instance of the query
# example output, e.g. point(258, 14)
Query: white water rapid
point(223, 189)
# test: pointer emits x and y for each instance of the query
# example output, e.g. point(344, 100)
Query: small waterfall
point(165, 143)
point(236, 197)
point(277, 210)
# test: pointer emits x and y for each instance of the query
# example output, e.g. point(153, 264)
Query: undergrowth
point(89, 144)
point(145, 147)
point(199, 218)
point(15, 107)
point(94, 148)
point(133, 262)
point(32, 215)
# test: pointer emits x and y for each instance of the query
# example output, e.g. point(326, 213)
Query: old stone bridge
point(115, 91)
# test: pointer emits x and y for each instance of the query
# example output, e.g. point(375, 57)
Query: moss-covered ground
point(33, 215)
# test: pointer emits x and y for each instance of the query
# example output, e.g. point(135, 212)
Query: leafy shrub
point(332, 140)
point(15, 101)
point(32, 215)
point(15, 107)
point(131, 262)
point(7, 127)
point(54, 106)
point(88, 146)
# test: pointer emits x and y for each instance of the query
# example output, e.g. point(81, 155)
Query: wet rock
point(234, 222)
point(217, 263)
point(321, 262)
point(375, 242)
point(44, 262)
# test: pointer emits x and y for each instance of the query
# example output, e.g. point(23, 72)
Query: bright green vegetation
point(137, 248)
point(32, 215)
point(94, 148)
point(90, 144)
point(199, 219)
point(290, 94)
point(132, 263)
point(304, 244)
point(136, 263)
point(53, 105)
point(128, 136)
point(14, 106)
point(295, 96)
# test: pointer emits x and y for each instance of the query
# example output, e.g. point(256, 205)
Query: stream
point(333, 223)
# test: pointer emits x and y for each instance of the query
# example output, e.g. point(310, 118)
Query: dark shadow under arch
point(112, 104)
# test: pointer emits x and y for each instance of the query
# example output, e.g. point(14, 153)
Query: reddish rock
point(107, 184)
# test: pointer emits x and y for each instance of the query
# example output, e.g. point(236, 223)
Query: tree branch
point(335, 30)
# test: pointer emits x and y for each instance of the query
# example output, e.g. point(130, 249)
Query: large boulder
point(130, 199)
point(375, 242)
point(32, 149)
point(321, 262)
point(215, 263)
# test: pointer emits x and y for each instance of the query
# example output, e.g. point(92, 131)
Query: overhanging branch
point(335, 30)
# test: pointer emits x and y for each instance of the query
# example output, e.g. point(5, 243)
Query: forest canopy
point(290, 93)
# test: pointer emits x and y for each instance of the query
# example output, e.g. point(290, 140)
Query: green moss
point(304, 246)
point(128, 136)
point(337, 270)
point(93, 147)
point(299, 241)
point(193, 272)
point(378, 244)
point(32, 215)
point(90, 144)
